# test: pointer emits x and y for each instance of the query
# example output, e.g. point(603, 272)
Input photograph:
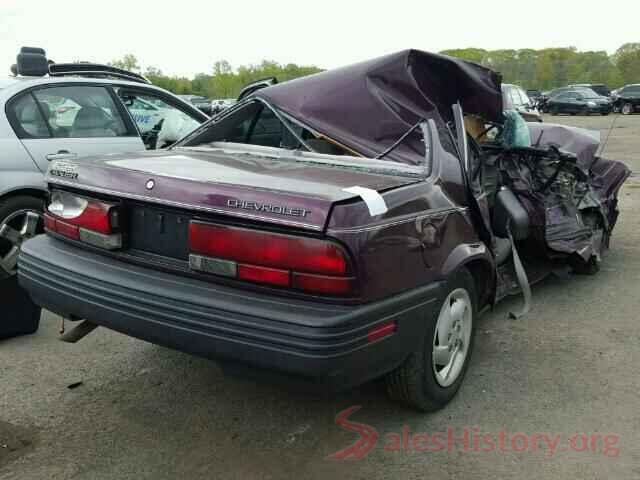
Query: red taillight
point(268, 249)
point(63, 228)
point(91, 221)
point(308, 264)
point(273, 276)
point(49, 222)
point(95, 217)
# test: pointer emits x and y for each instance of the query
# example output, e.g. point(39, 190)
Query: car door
point(169, 122)
point(71, 121)
point(566, 102)
point(631, 95)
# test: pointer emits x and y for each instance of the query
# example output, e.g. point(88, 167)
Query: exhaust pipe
point(78, 332)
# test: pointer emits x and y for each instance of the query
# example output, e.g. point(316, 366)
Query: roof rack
point(95, 70)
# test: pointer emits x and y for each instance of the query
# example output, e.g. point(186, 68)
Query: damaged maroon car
point(338, 228)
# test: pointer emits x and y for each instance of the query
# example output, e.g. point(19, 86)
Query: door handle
point(61, 155)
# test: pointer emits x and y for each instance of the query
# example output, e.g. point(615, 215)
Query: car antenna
point(606, 140)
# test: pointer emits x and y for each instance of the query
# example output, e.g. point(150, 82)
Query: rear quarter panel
point(426, 234)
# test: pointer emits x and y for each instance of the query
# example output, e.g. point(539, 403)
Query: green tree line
point(223, 81)
point(540, 69)
point(557, 67)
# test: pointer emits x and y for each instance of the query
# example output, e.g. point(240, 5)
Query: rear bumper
point(326, 343)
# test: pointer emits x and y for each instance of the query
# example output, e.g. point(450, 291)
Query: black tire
point(20, 316)
point(414, 383)
point(11, 205)
point(604, 114)
point(19, 202)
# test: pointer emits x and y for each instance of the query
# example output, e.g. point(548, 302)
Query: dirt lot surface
point(568, 371)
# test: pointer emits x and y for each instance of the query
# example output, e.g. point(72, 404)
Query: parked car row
point(575, 99)
point(333, 240)
point(210, 107)
point(579, 100)
point(626, 100)
point(222, 104)
point(200, 102)
point(586, 99)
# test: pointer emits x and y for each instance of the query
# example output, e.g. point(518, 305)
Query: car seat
point(92, 122)
point(31, 121)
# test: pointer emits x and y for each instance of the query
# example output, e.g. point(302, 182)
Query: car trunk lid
point(250, 187)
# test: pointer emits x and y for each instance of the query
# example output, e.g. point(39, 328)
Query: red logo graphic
point(361, 447)
point(469, 439)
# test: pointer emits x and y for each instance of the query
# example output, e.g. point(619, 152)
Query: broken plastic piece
point(375, 202)
point(523, 281)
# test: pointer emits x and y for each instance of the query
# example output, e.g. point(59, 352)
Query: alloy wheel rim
point(452, 337)
point(14, 230)
point(626, 109)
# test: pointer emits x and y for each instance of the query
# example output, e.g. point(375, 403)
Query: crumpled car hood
point(580, 142)
point(369, 105)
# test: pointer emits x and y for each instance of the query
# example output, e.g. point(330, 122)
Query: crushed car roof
point(368, 106)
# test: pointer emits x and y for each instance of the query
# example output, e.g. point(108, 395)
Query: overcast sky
point(187, 36)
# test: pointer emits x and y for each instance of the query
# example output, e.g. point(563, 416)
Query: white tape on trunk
point(375, 202)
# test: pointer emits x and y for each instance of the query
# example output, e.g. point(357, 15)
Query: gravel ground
point(146, 412)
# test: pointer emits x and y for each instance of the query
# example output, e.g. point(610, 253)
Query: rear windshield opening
point(257, 124)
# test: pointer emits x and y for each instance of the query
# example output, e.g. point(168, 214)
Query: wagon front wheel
point(430, 378)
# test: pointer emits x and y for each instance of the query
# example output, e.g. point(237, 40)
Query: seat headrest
point(32, 64)
point(29, 114)
point(38, 50)
point(89, 118)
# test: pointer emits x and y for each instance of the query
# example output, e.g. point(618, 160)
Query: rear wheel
point(15, 227)
point(430, 377)
point(627, 109)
